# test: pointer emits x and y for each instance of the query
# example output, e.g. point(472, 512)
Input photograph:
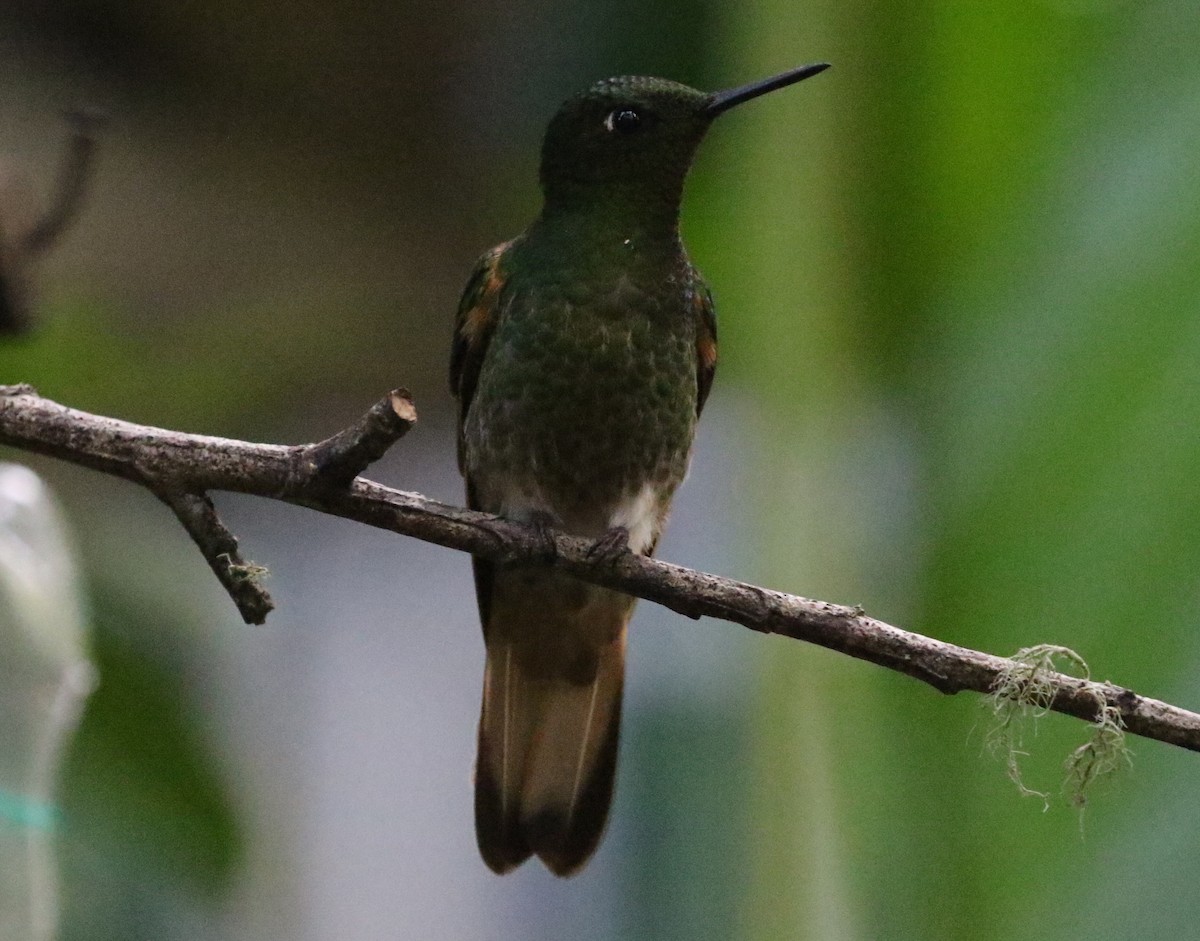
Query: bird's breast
point(585, 406)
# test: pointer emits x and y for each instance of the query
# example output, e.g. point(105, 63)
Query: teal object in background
point(45, 678)
point(26, 812)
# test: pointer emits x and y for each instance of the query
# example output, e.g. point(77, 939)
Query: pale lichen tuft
point(1023, 693)
point(245, 571)
point(1103, 754)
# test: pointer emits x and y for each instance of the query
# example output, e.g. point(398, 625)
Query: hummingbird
point(584, 350)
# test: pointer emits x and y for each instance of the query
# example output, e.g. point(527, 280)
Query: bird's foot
point(611, 546)
point(543, 524)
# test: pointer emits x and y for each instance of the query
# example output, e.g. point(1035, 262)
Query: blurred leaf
point(968, 301)
point(247, 367)
point(147, 820)
point(1034, 276)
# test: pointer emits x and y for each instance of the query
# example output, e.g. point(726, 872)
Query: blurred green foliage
point(1009, 329)
point(147, 820)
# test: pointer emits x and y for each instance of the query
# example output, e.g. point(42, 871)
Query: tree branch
point(173, 463)
point(241, 579)
point(339, 459)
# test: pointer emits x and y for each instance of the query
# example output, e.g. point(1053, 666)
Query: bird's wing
point(477, 314)
point(706, 339)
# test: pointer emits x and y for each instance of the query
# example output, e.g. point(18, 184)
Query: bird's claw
point(543, 524)
point(611, 546)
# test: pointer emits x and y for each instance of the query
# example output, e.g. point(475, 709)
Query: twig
point(173, 461)
point(241, 579)
point(339, 459)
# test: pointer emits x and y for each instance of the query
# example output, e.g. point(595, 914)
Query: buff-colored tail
point(549, 724)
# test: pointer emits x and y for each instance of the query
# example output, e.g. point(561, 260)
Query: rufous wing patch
point(706, 341)
point(478, 317)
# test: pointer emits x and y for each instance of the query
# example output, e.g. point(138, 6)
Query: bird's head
point(633, 137)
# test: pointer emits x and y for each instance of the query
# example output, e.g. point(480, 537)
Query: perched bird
point(584, 350)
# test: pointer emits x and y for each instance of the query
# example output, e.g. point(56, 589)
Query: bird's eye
point(623, 121)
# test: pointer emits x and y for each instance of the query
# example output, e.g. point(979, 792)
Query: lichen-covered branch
point(174, 462)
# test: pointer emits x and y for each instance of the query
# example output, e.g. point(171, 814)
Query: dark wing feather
point(473, 326)
point(706, 339)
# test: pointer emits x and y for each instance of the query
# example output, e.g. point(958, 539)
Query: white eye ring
point(622, 121)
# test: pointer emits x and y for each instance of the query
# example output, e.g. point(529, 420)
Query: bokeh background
point(958, 279)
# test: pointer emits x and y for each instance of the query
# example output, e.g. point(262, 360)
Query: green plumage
point(589, 388)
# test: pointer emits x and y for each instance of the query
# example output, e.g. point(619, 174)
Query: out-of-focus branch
point(73, 179)
point(171, 462)
point(12, 302)
point(19, 251)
